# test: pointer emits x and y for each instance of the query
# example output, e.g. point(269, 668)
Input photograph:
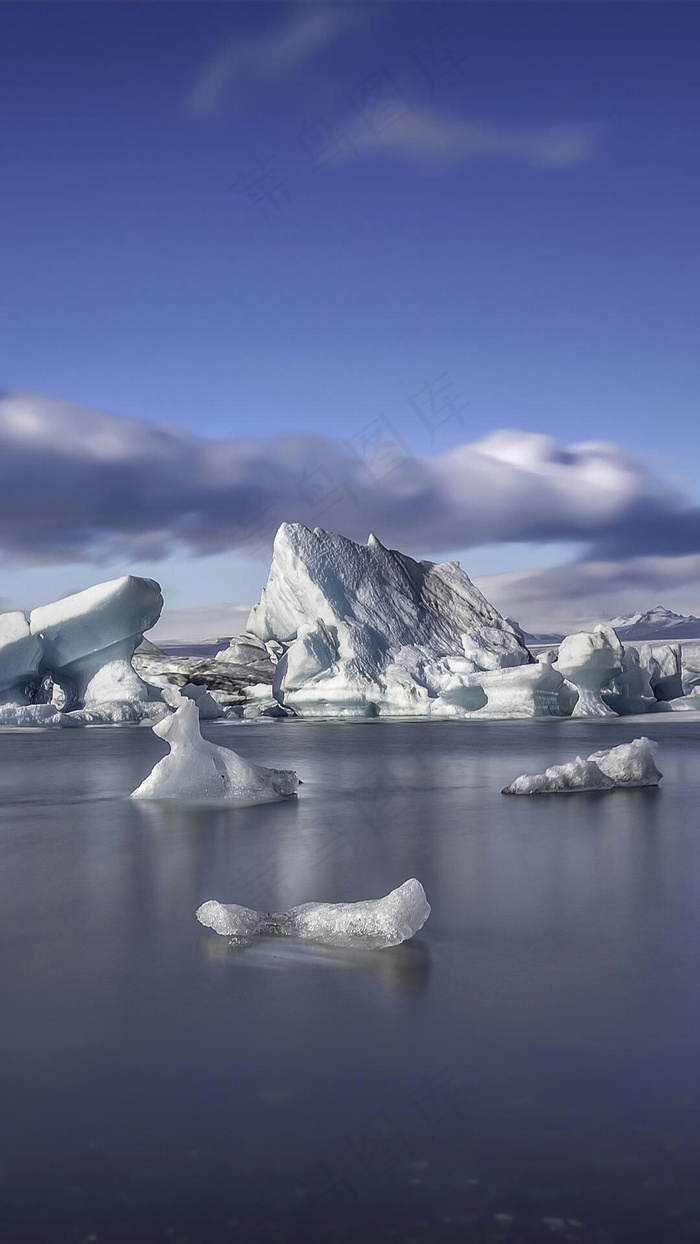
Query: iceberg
point(361, 630)
point(524, 691)
point(70, 662)
point(372, 925)
point(196, 771)
point(590, 660)
point(630, 764)
point(88, 640)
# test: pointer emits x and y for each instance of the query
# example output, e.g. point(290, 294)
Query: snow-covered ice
point(196, 771)
point(630, 764)
point(373, 924)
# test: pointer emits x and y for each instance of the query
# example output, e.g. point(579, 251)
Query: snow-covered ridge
point(657, 623)
point(653, 624)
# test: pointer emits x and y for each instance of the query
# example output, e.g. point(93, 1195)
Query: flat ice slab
point(630, 764)
point(372, 925)
point(196, 771)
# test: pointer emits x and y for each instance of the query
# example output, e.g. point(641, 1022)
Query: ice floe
point(373, 924)
point(630, 764)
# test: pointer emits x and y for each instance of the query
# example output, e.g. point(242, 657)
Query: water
point(524, 1070)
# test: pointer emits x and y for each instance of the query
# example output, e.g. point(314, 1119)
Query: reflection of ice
point(373, 924)
point(403, 969)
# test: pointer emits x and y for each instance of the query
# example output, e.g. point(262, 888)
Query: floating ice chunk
point(591, 660)
point(578, 774)
point(230, 920)
point(196, 771)
point(630, 764)
point(372, 925)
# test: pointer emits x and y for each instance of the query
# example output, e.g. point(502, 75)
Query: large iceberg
point(372, 925)
point(630, 764)
point(196, 771)
point(70, 662)
point(363, 630)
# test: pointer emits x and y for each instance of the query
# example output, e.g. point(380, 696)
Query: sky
point(428, 270)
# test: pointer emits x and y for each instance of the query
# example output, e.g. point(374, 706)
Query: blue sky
point(260, 221)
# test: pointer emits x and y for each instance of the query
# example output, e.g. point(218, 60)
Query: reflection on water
point(530, 1058)
point(402, 969)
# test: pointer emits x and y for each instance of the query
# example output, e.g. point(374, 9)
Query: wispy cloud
point(268, 53)
point(427, 137)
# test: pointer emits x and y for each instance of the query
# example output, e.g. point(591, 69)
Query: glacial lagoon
point(524, 1069)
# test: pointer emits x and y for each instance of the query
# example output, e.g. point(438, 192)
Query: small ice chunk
point(230, 920)
point(373, 924)
point(196, 771)
point(630, 764)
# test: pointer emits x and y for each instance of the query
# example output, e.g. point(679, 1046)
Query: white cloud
point(431, 138)
point(268, 53)
point(80, 485)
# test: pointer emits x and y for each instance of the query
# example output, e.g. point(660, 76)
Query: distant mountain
point(658, 623)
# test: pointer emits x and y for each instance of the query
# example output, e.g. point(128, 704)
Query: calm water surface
point(526, 1069)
